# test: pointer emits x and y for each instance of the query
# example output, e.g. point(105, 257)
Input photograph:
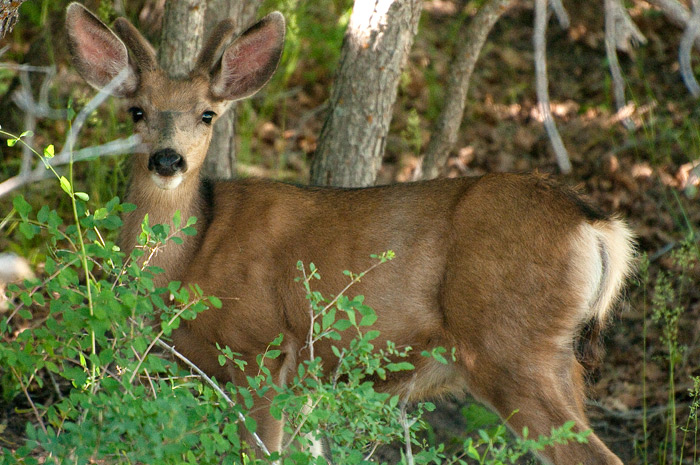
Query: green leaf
point(28, 230)
point(250, 424)
point(49, 151)
point(174, 286)
point(342, 325)
point(101, 214)
point(42, 215)
point(22, 207)
point(189, 231)
point(65, 185)
point(82, 196)
point(215, 301)
point(176, 219)
point(368, 320)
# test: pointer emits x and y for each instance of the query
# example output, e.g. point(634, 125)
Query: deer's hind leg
point(541, 390)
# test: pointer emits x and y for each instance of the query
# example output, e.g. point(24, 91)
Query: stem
point(84, 260)
point(644, 378)
point(29, 399)
point(672, 398)
point(214, 386)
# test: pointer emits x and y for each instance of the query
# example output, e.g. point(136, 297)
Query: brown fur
point(507, 269)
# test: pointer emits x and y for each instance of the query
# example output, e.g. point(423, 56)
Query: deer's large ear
point(98, 54)
point(250, 61)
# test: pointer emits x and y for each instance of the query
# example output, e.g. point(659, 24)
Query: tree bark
point(471, 39)
point(375, 49)
point(221, 157)
point(182, 36)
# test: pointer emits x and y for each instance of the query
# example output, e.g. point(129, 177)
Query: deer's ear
point(98, 54)
point(250, 61)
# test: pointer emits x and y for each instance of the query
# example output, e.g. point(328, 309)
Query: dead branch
point(213, 385)
point(620, 34)
point(542, 85)
point(560, 13)
point(676, 12)
point(67, 155)
point(470, 41)
point(686, 46)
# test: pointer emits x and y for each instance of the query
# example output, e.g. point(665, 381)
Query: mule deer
point(507, 269)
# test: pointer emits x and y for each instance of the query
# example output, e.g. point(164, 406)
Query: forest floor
point(645, 175)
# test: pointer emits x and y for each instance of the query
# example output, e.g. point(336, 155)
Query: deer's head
point(174, 116)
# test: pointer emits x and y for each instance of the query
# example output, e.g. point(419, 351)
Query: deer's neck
point(161, 205)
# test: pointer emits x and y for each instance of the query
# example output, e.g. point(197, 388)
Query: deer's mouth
point(167, 182)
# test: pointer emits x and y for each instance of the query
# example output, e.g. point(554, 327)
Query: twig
point(689, 35)
point(620, 33)
point(406, 433)
point(405, 424)
point(470, 41)
point(29, 399)
point(542, 86)
point(67, 155)
point(633, 414)
point(676, 12)
point(561, 14)
point(115, 147)
point(371, 452)
point(214, 386)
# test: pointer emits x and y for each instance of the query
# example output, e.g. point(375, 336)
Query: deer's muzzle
point(167, 162)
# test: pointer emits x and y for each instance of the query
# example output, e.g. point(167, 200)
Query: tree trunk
point(375, 49)
point(182, 36)
point(221, 157)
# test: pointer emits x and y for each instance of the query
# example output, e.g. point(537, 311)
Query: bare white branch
point(27, 174)
point(560, 13)
point(115, 147)
point(689, 35)
point(620, 34)
point(542, 86)
point(676, 12)
point(213, 385)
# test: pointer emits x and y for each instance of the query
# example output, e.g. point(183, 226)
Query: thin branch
point(691, 33)
point(676, 12)
point(405, 423)
point(214, 386)
point(560, 13)
point(470, 41)
point(67, 155)
point(620, 34)
point(29, 399)
point(542, 86)
point(406, 433)
point(115, 147)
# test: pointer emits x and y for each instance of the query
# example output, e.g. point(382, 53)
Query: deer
point(516, 272)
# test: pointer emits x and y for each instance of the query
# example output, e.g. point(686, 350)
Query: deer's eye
point(136, 114)
point(208, 117)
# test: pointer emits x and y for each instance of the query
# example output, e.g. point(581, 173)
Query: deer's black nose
point(166, 162)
